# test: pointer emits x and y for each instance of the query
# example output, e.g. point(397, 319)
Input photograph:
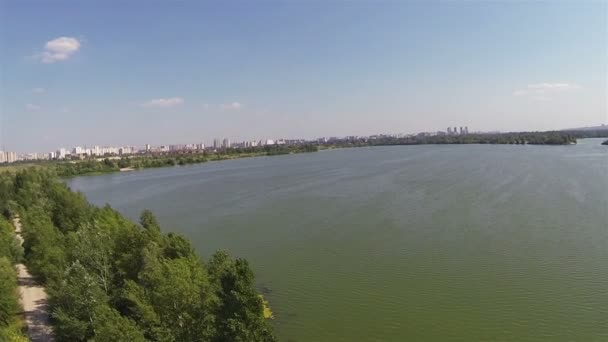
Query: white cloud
point(38, 90)
point(59, 49)
point(164, 103)
point(32, 107)
point(545, 91)
point(231, 106)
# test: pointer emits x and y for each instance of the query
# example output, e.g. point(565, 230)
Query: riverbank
point(133, 163)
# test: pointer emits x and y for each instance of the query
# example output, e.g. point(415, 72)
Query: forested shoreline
point(109, 279)
point(520, 138)
point(511, 138)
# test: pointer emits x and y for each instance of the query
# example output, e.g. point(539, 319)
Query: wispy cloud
point(32, 107)
point(59, 49)
point(163, 102)
point(38, 90)
point(231, 106)
point(545, 91)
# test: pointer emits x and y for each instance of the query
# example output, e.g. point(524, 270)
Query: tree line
point(511, 138)
point(519, 138)
point(110, 279)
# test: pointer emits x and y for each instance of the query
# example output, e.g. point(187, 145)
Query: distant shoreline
point(99, 166)
point(321, 148)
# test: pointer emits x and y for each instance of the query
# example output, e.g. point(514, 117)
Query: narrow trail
point(33, 300)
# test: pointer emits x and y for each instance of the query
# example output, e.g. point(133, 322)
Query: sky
point(161, 72)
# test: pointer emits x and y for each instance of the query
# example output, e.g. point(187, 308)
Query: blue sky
point(136, 72)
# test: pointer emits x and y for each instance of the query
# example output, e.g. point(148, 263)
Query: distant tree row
point(110, 279)
point(530, 138)
point(513, 138)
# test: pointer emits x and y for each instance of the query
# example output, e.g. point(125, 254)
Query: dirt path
point(33, 300)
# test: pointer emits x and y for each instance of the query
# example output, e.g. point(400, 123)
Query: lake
point(416, 243)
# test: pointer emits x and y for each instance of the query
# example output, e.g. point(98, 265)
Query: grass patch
point(267, 312)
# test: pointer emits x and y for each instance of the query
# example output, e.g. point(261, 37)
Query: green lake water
point(403, 243)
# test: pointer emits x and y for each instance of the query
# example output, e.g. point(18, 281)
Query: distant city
point(79, 152)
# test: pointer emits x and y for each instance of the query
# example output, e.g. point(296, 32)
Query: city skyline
point(294, 70)
point(217, 143)
point(223, 143)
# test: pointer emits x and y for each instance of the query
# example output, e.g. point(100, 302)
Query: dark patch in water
point(265, 290)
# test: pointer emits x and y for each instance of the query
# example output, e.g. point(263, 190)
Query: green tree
point(110, 326)
point(93, 249)
point(176, 246)
point(8, 295)
point(240, 315)
point(43, 245)
point(9, 245)
point(150, 224)
point(180, 293)
point(75, 302)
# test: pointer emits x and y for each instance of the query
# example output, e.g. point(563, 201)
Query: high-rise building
point(461, 130)
point(226, 143)
point(449, 130)
point(216, 143)
point(11, 157)
point(2, 157)
point(62, 153)
point(466, 129)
